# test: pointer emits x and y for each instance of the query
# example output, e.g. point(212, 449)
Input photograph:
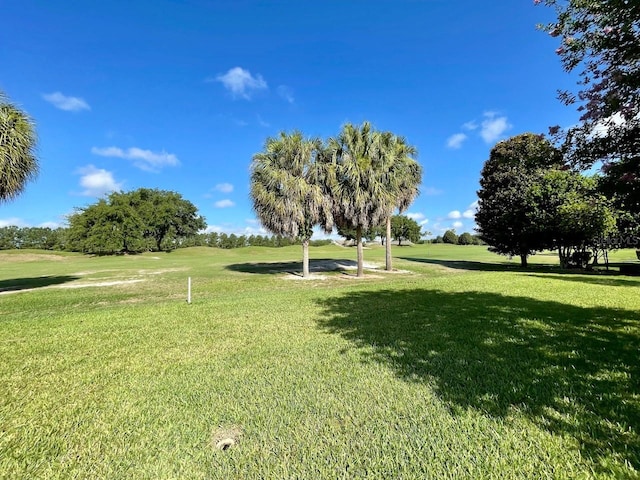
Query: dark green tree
point(450, 237)
point(570, 215)
point(166, 216)
point(506, 218)
point(130, 222)
point(465, 239)
point(404, 228)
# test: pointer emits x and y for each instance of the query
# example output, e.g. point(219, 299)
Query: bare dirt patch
point(101, 284)
point(29, 257)
point(316, 267)
point(224, 438)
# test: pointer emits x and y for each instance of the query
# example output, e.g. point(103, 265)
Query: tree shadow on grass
point(571, 370)
point(595, 279)
point(471, 265)
point(602, 277)
point(16, 284)
point(295, 268)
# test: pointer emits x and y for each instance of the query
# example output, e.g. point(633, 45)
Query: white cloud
point(415, 216)
point(455, 141)
point(236, 229)
point(469, 213)
point(226, 203)
point(69, 104)
point(601, 129)
point(457, 224)
point(51, 225)
point(423, 222)
point(493, 126)
point(224, 187)
point(430, 191)
point(262, 123)
point(454, 214)
point(286, 93)
point(472, 125)
point(474, 205)
point(97, 181)
point(143, 159)
point(241, 83)
point(13, 222)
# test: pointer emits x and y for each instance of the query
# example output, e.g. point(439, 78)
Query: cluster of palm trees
point(18, 162)
point(357, 180)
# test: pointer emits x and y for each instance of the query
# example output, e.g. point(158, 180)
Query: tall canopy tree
point(166, 216)
point(18, 162)
point(506, 216)
point(404, 228)
point(570, 215)
point(286, 189)
point(127, 222)
point(358, 179)
point(601, 39)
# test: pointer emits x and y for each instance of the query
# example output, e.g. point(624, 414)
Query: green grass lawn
point(458, 365)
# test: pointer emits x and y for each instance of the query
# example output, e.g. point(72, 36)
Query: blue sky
point(179, 94)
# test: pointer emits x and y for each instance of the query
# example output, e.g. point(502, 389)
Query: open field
point(459, 365)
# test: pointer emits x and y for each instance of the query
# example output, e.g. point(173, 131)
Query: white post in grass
point(189, 290)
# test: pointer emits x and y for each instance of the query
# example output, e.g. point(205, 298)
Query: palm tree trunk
point(305, 258)
point(388, 266)
point(360, 251)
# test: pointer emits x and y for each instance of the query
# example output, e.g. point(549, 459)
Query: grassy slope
point(465, 366)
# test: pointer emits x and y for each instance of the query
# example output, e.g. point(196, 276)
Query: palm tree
point(404, 178)
point(18, 162)
point(358, 178)
point(285, 188)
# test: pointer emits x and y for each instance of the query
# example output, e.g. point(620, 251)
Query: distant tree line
point(132, 222)
point(45, 238)
point(403, 229)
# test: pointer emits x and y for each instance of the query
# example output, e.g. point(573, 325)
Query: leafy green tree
point(506, 218)
point(571, 216)
point(9, 237)
point(212, 239)
point(438, 239)
point(450, 237)
point(356, 177)
point(166, 216)
point(465, 239)
point(404, 228)
point(370, 234)
point(477, 240)
point(619, 182)
point(287, 195)
point(18, 162)
point(135, 221)
point(97, 229)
